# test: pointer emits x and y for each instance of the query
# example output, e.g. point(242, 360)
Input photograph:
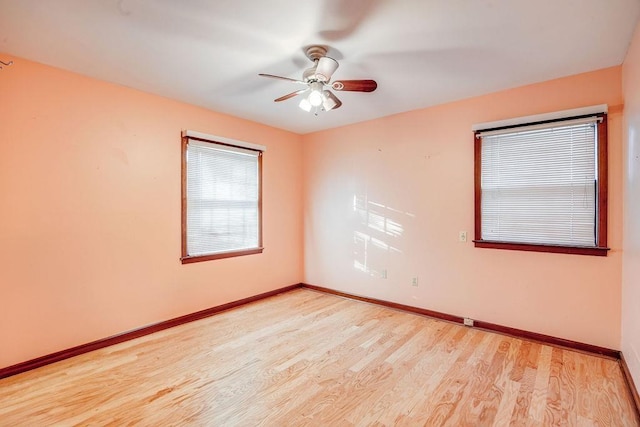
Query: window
point(221, 197)
point(542, 186)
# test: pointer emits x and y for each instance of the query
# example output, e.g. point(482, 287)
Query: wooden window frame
point(188, 259)
point(600, 249)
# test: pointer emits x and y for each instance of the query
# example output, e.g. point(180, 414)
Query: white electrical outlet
point(414, 281)
point(383, 274)
point(462, 236)
point(468, 321)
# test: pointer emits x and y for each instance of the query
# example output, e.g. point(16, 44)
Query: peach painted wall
point(90, 211)
point(393, 193)
point(631, 260)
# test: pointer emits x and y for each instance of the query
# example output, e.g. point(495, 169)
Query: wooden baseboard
point(136, 333)
point(632, 387)
point(548, 339)
point(409, 308)
point(513, 332)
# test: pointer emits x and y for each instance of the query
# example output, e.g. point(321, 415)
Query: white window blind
point(222, 191)
point(538, 184)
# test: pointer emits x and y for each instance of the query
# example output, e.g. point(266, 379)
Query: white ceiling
point(421, 52)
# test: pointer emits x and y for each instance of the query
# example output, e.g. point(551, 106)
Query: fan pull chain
point(6, 64)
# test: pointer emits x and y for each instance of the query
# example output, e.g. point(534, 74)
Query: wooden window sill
point(560, 249)
point(221, 255)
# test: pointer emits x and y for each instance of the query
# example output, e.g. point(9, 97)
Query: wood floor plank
point(526, 378)
point(554, 414)
point(305, 358)
point(538, 403)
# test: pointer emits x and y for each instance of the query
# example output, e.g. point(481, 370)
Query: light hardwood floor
point(307, 358)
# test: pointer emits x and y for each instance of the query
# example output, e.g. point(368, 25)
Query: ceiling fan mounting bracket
point(315, 52)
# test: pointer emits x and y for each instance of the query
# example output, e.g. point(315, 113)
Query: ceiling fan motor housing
point(309, 74)
point(323, 66)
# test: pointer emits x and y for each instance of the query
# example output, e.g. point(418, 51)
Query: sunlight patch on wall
point(376, 235)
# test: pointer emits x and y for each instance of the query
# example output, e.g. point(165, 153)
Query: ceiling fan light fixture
point(315, 98)
point(305, 105)
point(328, 102)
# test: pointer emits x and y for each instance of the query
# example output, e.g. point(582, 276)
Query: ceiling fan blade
point(355, 85)
point(290, 95)
point(331, 102)
point(325, 68)
point(282, 78)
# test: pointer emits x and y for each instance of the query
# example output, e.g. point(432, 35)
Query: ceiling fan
point(317, 79)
